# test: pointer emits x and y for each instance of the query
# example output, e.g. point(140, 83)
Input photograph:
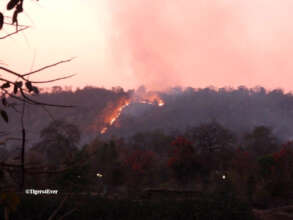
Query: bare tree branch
point(53, 80)
point(22, 156)
point(23, 76)
point(6, 80)
point(49, 66)
point(41, 103)
point(15, 32)
point(31, 101)
point(21, 93)
point(15, 97)
point(20, 25)
point(12, 72)
point(48, 112)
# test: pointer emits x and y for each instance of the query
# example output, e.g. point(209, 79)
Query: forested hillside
point(237, 109)
point(232, 144)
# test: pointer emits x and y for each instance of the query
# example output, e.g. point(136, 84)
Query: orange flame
point(151, 98)
point(161, 103)
point(110, 119)
point(104, 130)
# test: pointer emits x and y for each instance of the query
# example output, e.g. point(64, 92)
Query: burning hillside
point(151, 98)
point(113, 110)
point(122, 114)
point(112, 113)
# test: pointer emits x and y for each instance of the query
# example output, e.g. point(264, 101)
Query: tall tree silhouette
point(18, 93)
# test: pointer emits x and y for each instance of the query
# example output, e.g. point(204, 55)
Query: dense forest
point(222, 145)
point(237, 109)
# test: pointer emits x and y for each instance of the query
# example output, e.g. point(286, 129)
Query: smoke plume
point(203, 42)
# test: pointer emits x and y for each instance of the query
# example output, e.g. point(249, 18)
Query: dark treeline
point(88, 104)
point(237, 109)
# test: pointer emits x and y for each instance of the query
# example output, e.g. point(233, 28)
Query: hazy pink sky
point(158, 43)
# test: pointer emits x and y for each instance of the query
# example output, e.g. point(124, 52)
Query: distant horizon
point(74, 88)
point(156, 43)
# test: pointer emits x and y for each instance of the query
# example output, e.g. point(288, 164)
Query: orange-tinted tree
point(140, 165)
point(182, 159)
point(282, 179)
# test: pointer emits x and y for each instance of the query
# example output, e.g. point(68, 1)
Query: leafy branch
point(22, 89)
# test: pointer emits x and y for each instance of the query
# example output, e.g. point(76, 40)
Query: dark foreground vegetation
point(89, 207)
point(146, 175)
point(204, 171)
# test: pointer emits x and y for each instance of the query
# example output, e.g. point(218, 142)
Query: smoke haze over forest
point(239, 110)
point(159, 44)
point(146, 109)
point(202, 43)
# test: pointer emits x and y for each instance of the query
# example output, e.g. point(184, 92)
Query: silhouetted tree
point(58, 142)
point(211, 137)
point(19, 91)
point(182, 160)
point(261, 141)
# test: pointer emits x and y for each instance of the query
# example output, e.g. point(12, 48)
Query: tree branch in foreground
point(15, 32)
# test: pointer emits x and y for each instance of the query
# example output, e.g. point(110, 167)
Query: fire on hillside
point(113, 111)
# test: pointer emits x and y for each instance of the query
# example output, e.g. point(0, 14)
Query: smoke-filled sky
point(157, 43)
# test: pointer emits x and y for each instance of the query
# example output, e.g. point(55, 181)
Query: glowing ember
point(149, 98)
point(161, 103)
point(115, 115)
point(113, 120)
point(103, 131)
point(152, 98)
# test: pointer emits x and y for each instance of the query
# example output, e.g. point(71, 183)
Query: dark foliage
point(90, 207)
